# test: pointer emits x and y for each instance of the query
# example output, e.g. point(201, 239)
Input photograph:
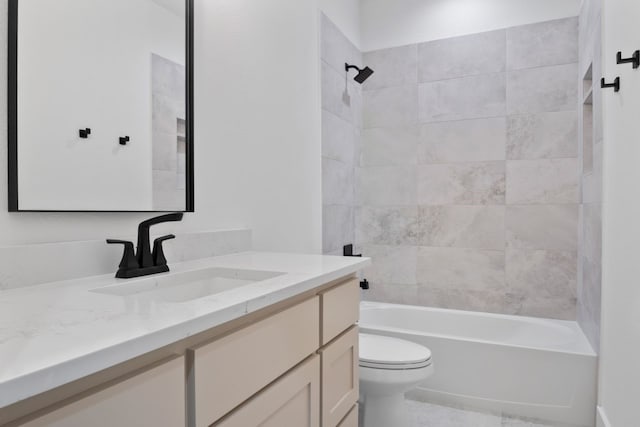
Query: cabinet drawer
point(153, 398)
point(351, 420)
point(340, 309)
point(339, 377)
point(232, 369)
point(293, 400)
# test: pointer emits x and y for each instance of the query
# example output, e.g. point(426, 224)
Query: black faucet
point(145, 262)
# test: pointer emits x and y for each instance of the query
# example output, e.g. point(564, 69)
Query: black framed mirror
point(101, 106)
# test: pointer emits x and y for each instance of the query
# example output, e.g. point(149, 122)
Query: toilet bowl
point(389, 367)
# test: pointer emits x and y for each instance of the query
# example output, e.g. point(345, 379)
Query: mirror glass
point(100, 116)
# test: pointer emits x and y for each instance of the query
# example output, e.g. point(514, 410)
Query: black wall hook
point(84, 133)
point(124, 140)
point(635, 59)
point(615, 85)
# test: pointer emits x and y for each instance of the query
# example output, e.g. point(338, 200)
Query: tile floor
point(430, 415)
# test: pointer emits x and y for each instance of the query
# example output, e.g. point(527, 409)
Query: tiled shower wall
point(590, 105)
point(467, 170)
point(168, 148)
point(468, 183)
point(341, 124)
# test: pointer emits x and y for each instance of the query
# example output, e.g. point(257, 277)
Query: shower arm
point(348, 67)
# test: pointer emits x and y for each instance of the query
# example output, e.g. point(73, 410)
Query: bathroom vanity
point(238, 340)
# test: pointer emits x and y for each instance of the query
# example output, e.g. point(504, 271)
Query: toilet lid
point(381, 352)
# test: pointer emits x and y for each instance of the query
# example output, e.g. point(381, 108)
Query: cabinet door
point(153, 398)
point(340, 309)
point(292, 401)
point(230, 370)
point(351, 420)
point(339, 377)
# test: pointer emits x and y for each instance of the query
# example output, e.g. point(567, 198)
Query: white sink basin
point(188, 286)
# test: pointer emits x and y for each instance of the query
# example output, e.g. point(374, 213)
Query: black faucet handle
point(158, 253)
point(129, 260)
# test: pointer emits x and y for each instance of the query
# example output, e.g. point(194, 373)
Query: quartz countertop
point(55, 333)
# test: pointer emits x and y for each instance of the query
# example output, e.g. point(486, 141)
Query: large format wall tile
point(542, 136)
point(463, 141)
point(388, 225)
point(592, 223)
point(339, 138)
point(389, 146)
point(590, 293)
point(592, 182)
point(462, 56)
point(395, 106)
point(543, 181)
point(541, 273)
point(464, 98)
point(461, 184)
point(337, 227)
point(433, 178)
point(396, 66)
point(550, 308)
point(479, 227)
point(337, 183)
point(393, 293)
point(542, 44)
point(386, 186)
point(335, 47)
point(341, 126)
point(553, 227)
point(462, 299)
point(391, 264)
point(543, 89)
point(589, 287)
point(338, 98)
point(469, 269)
point(164, 152)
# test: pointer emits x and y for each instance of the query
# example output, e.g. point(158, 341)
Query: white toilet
point(389, 367)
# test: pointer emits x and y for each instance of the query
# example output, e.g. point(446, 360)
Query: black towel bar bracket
point(635, 59)
point(615, 85)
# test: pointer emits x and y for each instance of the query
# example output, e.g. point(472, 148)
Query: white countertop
point(56, 333)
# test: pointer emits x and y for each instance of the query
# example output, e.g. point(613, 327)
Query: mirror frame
point(12, 125)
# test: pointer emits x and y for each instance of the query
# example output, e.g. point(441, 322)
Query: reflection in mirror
point(101, 118)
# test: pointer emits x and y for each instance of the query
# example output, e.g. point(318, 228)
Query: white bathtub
point(523, 366)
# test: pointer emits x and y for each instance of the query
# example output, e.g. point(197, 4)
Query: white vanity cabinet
point(293, 400)
point(155, 397)
point(231, 369)
point(294, 364)
point(339, 352)
point(319, 336)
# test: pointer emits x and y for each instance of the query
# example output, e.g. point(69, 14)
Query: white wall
point(346, 15)
point(620, 344)
point(388, 23)
point(257, 109)
point(257, 133)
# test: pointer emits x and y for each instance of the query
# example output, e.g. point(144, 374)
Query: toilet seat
point(380, 352)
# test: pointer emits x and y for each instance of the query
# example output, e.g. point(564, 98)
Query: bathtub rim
point(572, 325)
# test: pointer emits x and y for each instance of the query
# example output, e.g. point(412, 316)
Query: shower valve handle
point(347, 250)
